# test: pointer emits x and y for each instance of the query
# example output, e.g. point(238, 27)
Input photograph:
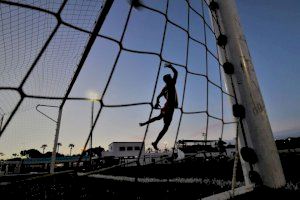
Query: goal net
point(106, 82)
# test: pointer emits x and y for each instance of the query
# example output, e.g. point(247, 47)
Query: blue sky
point(272, 32)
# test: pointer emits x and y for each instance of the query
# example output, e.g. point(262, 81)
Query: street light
point(204, 135)
point(92, 95)
point(289, 144)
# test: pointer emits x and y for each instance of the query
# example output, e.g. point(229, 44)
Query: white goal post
point(256, 125)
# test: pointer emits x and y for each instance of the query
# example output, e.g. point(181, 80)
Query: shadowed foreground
point(70, 186)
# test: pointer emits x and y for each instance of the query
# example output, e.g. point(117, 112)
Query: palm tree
point(44, 147)
point(71, 146)
point(58, 145)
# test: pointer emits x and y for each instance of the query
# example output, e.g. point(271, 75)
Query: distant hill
point(277, 135)
point(286, 134)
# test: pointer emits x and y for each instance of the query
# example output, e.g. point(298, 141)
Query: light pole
point(1, 121)
point(93, 96)
point(166, 144)
point(92, 121)
point(57, 122)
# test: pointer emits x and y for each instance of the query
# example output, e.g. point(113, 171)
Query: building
point(124, 150)
point(127, 153)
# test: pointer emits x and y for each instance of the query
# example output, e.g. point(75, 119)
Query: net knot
point(239, 111)
point(255, 177)
point(228, 68)
point(213, 6)
point(222, 40)
point(249, 155)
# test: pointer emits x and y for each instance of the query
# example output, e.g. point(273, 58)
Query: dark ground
point(69, 186)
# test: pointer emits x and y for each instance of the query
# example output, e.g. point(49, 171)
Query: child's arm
point(168, 65)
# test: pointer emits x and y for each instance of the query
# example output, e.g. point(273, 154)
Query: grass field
point(189, 180)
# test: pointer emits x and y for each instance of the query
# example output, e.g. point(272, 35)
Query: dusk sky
point(272, 30)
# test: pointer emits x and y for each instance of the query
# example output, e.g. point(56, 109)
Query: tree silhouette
point(31, 153)
point(44, 147)
point(58, 145)
point(149, 150)
point(48, 154)
point(71, 146)
point(96, 150)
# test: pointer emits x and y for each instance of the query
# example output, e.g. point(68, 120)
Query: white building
point(127, 153)
point(124, 149)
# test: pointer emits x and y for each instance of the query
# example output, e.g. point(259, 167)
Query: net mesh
point(42, 43)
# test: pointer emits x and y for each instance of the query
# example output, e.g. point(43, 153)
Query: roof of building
point(125, 142)
point(196, 141)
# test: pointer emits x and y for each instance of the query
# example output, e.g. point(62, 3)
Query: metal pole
point(1, 122)
point(257, 129)
point(91, 139)
point(106, 7)
point(52, 165)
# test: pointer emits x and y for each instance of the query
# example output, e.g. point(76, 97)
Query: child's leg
point(152, 120)
point(167, 121)
point(162, 133)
